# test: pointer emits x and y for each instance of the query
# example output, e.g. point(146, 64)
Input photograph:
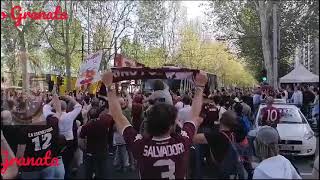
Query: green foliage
point(151, 20)
point(239, 19)
point(152, 57)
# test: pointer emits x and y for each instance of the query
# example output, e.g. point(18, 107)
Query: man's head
point(93, 113)
point(266, 142)
point(95, 102)
point(137, 98)
point(186, 100)
point(161, 119)
point(228, 120)
point(216, 99)
point(269, 101)
point(238, 108)
point(63, 106)
point(158, 85)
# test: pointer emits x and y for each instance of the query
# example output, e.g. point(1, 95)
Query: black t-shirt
point(308, 97)
point(39, 139)
point(218, 143)
point(11, 133)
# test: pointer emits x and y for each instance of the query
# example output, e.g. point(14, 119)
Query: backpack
point(231, 166)
point(246, 124)
point(211, 115)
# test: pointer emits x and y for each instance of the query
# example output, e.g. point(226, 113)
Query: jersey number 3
point(171, 166)
point(46, 138)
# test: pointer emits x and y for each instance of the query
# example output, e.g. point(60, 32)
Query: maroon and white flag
point(134, 73)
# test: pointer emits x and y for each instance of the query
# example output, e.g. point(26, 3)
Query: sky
point(193, 9)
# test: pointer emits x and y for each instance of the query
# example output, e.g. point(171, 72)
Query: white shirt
point(285, 94)
point(277, 167)
point(297, 97)
point(184, 114)
point(179, 105)
point(65, 121)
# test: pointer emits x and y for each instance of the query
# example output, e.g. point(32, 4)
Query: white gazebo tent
point(300, 75)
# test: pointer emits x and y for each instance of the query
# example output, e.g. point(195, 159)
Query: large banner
point(128, 73)
point(89, 70)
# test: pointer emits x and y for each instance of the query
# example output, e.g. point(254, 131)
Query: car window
point(288, 116)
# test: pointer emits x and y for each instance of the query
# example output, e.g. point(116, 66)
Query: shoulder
point(51, 119)
point(216, 136)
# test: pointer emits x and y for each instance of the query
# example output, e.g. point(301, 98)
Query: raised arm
point(76, 107)
point(7, 172)
point(56, 106)
point(200, 82)
point(47, 109)
point(114, 106)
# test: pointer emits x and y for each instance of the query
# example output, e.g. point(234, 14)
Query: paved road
point(305, 164)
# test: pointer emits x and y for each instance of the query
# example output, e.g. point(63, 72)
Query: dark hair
point(186, 100)
point(238, 109)
point(229, 120)
point(216, 99)
point(159, 118)
point(95, 102)
point(93, 113)
point(87, 99)
point(158, 85)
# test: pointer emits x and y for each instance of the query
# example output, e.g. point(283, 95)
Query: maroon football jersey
point(39, 139)
point(161, 158)
point(96, 132)
point(270, 116)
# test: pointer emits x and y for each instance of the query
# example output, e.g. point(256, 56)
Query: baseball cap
point(236, 100)
point(267, 135)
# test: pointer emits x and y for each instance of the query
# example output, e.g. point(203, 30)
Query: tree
point(63, 38)
point(211, 57)
point(152, 57)
point(107, 23)
point(22, 38)
point(151, 23)
point(242, 22)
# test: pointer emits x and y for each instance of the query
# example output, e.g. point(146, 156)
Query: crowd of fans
point(163, 135)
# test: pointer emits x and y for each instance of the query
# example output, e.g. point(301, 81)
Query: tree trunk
point(316, 57)
point(275, 45)
point(68, 71)
point(264, 21)
point(24, 61)
point(68, 51)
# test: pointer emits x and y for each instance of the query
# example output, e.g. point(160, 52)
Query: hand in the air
point(107, 78)
point(201, 79)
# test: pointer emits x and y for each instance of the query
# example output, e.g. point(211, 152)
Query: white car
point(279, 101)
point(296, 135)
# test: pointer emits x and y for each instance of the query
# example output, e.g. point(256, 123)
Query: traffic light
point(60, 80)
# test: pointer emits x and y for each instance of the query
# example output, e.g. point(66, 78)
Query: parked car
point(279, 101)
point(296, 136)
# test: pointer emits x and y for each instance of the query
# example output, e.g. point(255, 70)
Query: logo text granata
point(17, 15)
